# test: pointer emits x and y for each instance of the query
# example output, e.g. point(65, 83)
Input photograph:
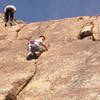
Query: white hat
point(10, 6)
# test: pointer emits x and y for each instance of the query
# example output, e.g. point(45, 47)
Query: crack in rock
point(19, 31)
point(12, 95)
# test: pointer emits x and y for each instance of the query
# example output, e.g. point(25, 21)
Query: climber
point(36, 47)
point(9, 14)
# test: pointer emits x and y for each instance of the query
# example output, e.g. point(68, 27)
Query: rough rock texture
point(68, 71)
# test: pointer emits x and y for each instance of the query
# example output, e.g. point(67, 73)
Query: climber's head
point(31, 42)
point(42, 37)
point(11, 8)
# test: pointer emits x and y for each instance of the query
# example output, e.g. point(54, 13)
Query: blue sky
point(42, 10)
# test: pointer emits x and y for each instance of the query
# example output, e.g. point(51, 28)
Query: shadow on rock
point(11, 96)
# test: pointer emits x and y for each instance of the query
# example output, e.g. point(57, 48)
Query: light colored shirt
point(10, 6)
point(38, 42)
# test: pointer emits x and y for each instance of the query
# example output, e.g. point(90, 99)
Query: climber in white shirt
point(37, 46)
point(9, 14)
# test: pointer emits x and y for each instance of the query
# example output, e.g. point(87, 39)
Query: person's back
point(9, 14)
point(38, 42)
point(37, 46)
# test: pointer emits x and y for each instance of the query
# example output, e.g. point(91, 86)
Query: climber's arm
point(45, 47)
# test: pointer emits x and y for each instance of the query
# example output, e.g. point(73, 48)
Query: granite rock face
point(69, 70)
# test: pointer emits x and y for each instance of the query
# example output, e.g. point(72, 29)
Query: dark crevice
point(12, 95)
point(29, 80)
point(86, 34)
